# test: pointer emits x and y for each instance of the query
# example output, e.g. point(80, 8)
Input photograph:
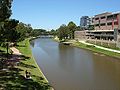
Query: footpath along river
point(71, 68)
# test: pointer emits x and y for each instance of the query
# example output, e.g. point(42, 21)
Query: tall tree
point(9, 30)
point(24, 30)
point(5, 9)
point(5, 13)
point(53, 32)
point(63, 32)
point(71, 27)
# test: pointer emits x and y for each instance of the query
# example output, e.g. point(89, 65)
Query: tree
point(78, 28)
point(5, 13)
point(8, 27)
point(8, 31)
point(53, 32)
point(63, 32)
point(10, 34)
point(24, 30)
point(5, 9)
point(71, 27)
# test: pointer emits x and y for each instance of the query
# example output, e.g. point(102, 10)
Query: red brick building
point(106, 21)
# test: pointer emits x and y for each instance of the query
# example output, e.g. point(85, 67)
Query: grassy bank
point(30, 64)
point(13, 78)
point(94, 49)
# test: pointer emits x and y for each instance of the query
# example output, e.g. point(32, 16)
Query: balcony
point(103, 21)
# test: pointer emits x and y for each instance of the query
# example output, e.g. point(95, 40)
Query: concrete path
point(15, 51)
point(108, 49)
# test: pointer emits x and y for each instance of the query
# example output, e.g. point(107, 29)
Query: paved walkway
point(108, 49)
point(15, 51)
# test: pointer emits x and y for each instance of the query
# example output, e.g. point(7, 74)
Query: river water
point(71, 68)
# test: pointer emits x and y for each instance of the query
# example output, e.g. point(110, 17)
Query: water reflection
point(70, 68)
point(32, 43)
point(106, 72)
point(66, 57)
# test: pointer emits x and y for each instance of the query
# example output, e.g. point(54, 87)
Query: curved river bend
point(71, 68)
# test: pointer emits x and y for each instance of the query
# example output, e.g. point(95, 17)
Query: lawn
point(92, 48)
point(13, 78)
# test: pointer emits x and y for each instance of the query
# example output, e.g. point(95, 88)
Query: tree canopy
point(5, 9)
point(71, 26)
point(63, 32)
point(67, 32)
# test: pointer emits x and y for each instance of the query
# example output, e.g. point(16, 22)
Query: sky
point(50, 14)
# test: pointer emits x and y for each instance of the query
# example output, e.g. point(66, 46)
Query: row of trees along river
point(12, 30)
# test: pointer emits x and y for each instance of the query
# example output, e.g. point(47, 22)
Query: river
point(71, 68)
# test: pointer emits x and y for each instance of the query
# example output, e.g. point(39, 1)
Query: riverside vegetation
point(13, 78)
point(92, 48)
point(98, 50)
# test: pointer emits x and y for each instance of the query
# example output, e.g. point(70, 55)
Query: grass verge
point(30, 64)
point(94, 49)
point(13, 77)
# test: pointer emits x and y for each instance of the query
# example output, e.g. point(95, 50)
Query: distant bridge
point(46, 36)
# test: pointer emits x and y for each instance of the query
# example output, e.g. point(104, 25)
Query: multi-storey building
point(107, 21)
point(107, 29)
point(85, 21)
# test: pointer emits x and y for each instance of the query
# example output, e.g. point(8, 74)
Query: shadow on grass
point(21, 57)
point(21, 45)
point(24, 57)
point(1, 51)
point(26, 65)
point(12, 80)
point(5, 55)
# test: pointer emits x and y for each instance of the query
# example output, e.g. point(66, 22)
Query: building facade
point(106, 29)
point(80, 35)
point(85, 21)
point(107, 21)
point(108, 37)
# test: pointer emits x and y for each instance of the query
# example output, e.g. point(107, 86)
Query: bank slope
point(98, 50)
point(30, 65)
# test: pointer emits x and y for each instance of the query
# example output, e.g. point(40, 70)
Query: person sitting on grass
point(27, 75)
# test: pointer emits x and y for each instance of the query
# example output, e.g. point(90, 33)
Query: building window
point(110, 17)
point(115, 16)
point(110, 23)
point(103, 17)
point(96, 18)
point(102, 24)
point(115, 23)
point(97, 25)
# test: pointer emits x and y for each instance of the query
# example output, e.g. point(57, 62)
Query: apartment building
point(109, 37)
point(107, 21)
point(107, 28)
point(85, 21)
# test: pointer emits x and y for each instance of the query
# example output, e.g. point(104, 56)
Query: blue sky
point(50, 14)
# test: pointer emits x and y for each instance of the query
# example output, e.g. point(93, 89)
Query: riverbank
point(12, 72)
point(94, 49)
point(98, 50)
point(30, 65)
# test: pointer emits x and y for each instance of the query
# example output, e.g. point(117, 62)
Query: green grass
point(30, 63)
point(14, 79)
point(111, 46)
point(92, 48)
